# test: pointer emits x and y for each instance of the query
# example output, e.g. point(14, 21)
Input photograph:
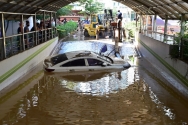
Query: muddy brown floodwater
point(136, 96)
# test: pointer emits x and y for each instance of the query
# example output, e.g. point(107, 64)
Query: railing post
point(146, 26)
point(23, 40)
point(154, 25)
point(45, 39)
point(55, 24)
point(50, 31)
point(140, 23)
point(36, 28)
point(3, 51)
point(11, 46)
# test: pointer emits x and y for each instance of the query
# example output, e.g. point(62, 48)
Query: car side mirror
point(104, 64)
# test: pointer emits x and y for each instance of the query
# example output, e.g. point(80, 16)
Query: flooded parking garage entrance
point(136, 96)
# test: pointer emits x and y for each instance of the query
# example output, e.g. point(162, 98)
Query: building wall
point(19, 65)
point(68, 18)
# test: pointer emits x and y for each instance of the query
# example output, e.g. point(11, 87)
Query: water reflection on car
point(93, 83)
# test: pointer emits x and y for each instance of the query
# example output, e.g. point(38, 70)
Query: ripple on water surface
point(114, 98)
point(118, 97)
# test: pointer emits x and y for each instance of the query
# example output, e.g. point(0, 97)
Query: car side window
point(78, 62)
point(94, 62)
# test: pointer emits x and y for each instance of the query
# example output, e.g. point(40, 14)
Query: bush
point(174, 51)
point(66, 28)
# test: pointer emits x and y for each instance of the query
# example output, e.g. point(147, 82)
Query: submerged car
point(82, 61)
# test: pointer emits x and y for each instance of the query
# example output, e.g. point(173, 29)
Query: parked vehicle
point(78, 61)
point(93, 27)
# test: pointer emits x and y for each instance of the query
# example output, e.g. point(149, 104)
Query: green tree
point(91, 6)
point(40, 17)
point(64, 10)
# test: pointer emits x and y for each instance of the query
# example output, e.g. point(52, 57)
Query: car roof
point(75, 54)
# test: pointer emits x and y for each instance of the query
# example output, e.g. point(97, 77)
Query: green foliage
point(91, 6)
point(66, 28)
point(40, 17)
point(174, 51)
point(130, 27)
point(131, 33)
point(185, 47)
point(64, 10)
point(184, 39)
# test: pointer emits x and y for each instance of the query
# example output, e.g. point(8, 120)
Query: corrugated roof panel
point(172, 8)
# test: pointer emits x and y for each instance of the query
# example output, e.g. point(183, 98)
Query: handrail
point(17, 43)
point(169, 39)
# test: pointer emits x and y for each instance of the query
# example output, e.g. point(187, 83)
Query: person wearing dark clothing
point(64, 21)
point(19, 31)
point(20, 28)
point(35, 28)
point(119, 15)
point(41, 32)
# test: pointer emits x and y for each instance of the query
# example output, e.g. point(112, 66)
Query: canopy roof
point(172, 8)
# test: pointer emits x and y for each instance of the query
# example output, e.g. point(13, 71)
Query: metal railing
point(20, 42)
point(14, 44)
point(180, 49)
point(168, 39)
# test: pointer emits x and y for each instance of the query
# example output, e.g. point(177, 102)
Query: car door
point(95, 64)
point(74, 65)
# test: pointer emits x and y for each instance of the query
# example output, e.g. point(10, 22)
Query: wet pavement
point(137, 96)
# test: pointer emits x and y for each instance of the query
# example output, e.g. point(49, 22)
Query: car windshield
point(59, 58)
point(106, 58)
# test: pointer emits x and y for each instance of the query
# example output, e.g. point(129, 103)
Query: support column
point(165, 27)
point(50, 33)
point(35, 28)
point(44, 32)
point(3, 42)
point(181, 34)
point(154, 26)
point(22, 38)
point(55, 24)
point(146, 26)
point(140, 23)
